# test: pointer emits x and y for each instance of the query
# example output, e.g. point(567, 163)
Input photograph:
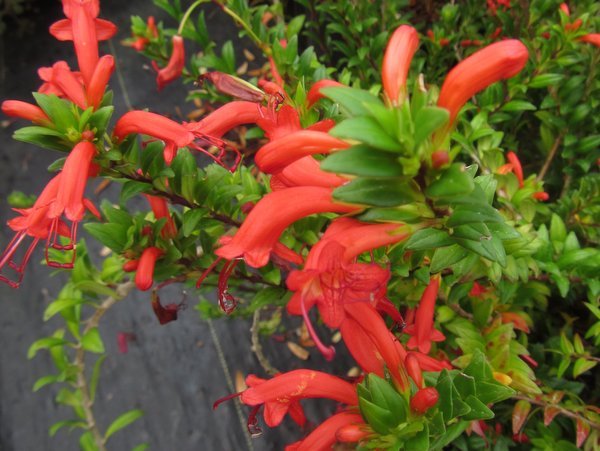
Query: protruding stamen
point(53, 242)
point(327, 351)
point(8, 257)
point(386, 306)
point(219, 401)
point(207, 271)
point(253, 427)
point(226, 301)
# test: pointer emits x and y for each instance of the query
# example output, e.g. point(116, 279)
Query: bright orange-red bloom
point(172, 71)
point(424, 400)
point(314, 93)
point(172, 133)
point(396, 62)
point(516, 166)
point(274, 156)
point(97, 85)
point(24, 110)
point(144, 276)
point(281, 394)
point(227, 117)
point(140, 42)
point(85, 30)
point(69, 199)
point(495, 62)
point(260, 231)
point(32, 222)
point(591, 38)
point(160, 208)
point(305, 172)
point(422, 331)
point(541, 196)
point(327, 433)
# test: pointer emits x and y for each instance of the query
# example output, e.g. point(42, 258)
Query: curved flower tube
point(497, 61)
point(422, 331)
point(260, 231)
point(305, 172)
point(24, 110)
point(314, 93)
point(396, 62)
point(144, 275)
point(274, 156)
point(172, 71)
point(278, 393)
point(227, 117)
point(326, 434)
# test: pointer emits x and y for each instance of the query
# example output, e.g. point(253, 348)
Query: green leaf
point(350, 99)
point(364, 161)
point(428, 239)
point(420, 441)
point(191, 218)
point(58, 110)
point(518, 105)
point(61, 424)
point(47, 380)
point(90, 286)
point(582, 365)
point(454, 181)
point(58, 306)
point(96, 377)
point(380, 192)
point(366, 129)
point(469, 214)
point(428, 120)
point(124, 420)
point(113, 236)
point(541, 81)
point(479, 411)
point(447, 256)
point(45, 343)
point(132, 188)
point(92, 342)
point(43, 137)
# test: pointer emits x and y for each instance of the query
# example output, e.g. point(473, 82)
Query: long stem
point(257, 348)
point(79, 363)
point(187, 14)
point(549, 158)
point(262, 45)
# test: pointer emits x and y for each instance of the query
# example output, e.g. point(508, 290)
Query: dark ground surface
point(173, 372)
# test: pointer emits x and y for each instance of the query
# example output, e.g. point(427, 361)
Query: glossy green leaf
point(380, 192)
point(363, 161)
point(92, 342)
point(123, 421)
point(367, 130)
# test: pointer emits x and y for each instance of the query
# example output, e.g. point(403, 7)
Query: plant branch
point(549, 158)
point(562, 410)
point(257, 347)
point(79, 363)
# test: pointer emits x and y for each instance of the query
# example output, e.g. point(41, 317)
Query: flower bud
point(424, 400)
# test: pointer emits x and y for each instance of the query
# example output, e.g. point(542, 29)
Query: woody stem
point(256, 346)
point(549, 158)
point(79, 363)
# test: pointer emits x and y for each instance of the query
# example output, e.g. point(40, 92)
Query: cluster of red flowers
point(349, 294)
point(63, 198)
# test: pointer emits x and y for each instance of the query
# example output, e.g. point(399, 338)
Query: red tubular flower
point(69, 84)
point(69, 199)
point(424, 400)
point(495, 62)
point(140, 43)
point(284, 390)
point(274, 156)
point(160, 208)
point(328, 433)
point(99, 81)
point(172, 71)
point(32, 222)
point(227, 117)
point(414, 369)
point(422, 331)
point(516, 166)
point(85, 30)
point(305, 172)
point(172, 133)
point(145, 271)
point(396, 62)
point(131, 265)
point(49, 74)
point(260, 231)
point(314, 93)
point(372, 344)
point(591, 38)
point(352, 433)
point(24, 110)
point(541, 196)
